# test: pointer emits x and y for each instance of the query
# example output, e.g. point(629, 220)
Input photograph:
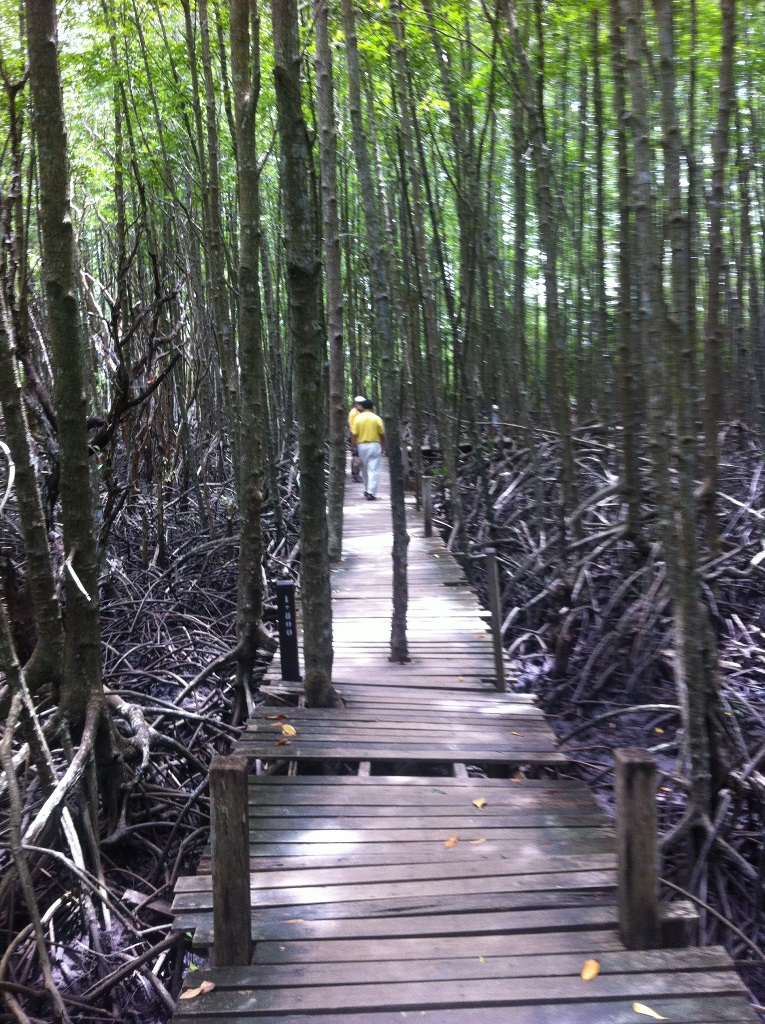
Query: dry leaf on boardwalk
point(274, 717)
point(289, 730)
point(282, 743)
point(647, 1011)
point(200, 990)
point(477, 842)
point(480, 802)
point(451, 841)
point(590, 970)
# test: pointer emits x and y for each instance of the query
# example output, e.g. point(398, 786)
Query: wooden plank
point(486, 992)
point(445, 968)
point(682, 1010)
point(312, 875)
point(278, 856)
point(476, 924)
point(424, 888)
point(199, 919)
point(442, 784)
point(532, 753)
point(386, 951)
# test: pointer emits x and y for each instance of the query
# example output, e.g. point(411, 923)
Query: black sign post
point(288, 636)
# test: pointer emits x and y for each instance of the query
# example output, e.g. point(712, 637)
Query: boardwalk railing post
point(229, 835)
point(495, 606)
point(288, 633)
point(427, 505)
point(638, 880)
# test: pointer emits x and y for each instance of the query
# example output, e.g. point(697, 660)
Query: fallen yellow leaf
point(658, 730)
point(590, 970)
point(480, 802)
point(200, 990)
point(451, 841)
point(289, 730)
point(647, 1011)
point(477, 842)
point(516, 734)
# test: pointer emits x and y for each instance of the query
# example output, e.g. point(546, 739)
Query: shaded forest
point(534, 235)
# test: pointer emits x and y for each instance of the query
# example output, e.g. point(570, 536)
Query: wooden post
point(495, 605)
point(638, 880)
point(232, 920)
point(427, 505)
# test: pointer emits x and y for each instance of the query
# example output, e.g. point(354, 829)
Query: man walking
point(355, 461)
point(368, 436)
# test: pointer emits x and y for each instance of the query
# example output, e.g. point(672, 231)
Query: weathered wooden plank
point(570, 844)
point(383, 717)
point(698, 1010)
point(491, 812)
point(311, 875)
point(199, 919)
point(531, 754)
point(435, 947)
point(445, 968)
point(486, 992)
point(389, 725)
point(478, 924)
point(389, 800)
point(423, 888)
point(454, 824)
point(402, 783)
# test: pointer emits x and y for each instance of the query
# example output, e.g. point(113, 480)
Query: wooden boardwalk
point(422, 860)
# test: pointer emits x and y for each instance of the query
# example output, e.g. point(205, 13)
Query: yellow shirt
point(368, 427)
point(352, 418)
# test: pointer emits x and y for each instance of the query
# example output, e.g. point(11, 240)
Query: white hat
point(359, 398)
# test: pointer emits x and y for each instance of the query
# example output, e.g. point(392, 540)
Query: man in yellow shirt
point(368, 436)
point(355, 461)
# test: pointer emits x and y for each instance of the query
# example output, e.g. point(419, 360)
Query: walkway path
point(422, 861)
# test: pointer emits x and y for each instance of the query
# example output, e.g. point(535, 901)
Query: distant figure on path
point(356, 408)
point(368, 436)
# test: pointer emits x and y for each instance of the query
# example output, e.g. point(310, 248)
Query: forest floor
point(594, 644)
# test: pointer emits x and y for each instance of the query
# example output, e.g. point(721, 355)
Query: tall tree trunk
point(626, 336)
point(378, 263)
point(695, 669)
point(603, 380)
point(245, 70)
point(81, 688)
point(307, 331)
point(216, 254)
point(713, 344)
point(333, 275)
point(582, 376)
